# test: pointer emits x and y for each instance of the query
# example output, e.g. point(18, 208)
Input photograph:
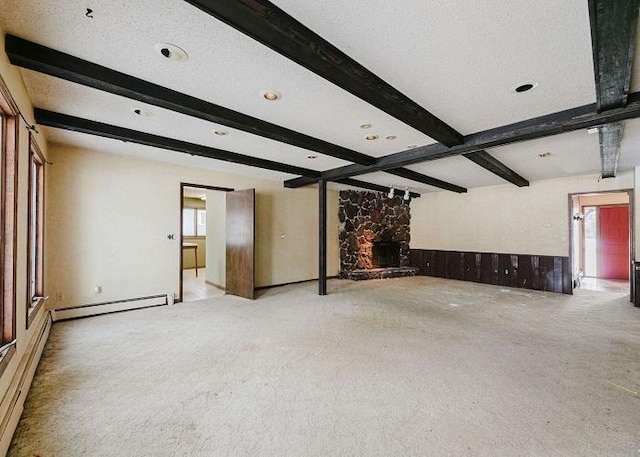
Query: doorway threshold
point(604, 285)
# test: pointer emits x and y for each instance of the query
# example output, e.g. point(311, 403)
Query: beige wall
point(505, 218)
point(216, 238)
point(24, 337)
point(615, 198)
point(99, 236)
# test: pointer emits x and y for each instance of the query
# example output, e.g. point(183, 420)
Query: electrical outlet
point(506, 272)
point(97, 289)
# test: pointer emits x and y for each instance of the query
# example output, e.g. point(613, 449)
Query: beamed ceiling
point(434, 80)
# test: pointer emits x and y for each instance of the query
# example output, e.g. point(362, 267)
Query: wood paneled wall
point(537, 272)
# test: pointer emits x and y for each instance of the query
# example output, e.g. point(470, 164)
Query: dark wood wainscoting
point(537, 272)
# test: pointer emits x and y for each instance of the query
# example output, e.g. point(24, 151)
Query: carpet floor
point(402, 367)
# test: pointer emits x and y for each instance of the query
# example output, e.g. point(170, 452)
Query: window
point(36, 232)
point(8, 203)
point(201, 226)
point(194, 222)
point(590, 240)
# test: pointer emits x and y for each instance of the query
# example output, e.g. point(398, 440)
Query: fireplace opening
point(385, 254)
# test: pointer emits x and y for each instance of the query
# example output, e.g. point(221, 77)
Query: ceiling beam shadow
point(51, 62)
point(490, 163)
point(419, 177)
point(271, 26)
point(582, 117)
point(374, 187)
point(77, 124)
point(613, 38)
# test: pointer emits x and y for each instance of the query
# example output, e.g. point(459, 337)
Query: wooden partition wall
point(537, 272)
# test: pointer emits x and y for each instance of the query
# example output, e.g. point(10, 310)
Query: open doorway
point(202, 240)
point(601, 241)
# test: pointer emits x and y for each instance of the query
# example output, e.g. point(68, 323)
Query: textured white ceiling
point(575, 153)
point(630, 146)
point(459, 59)
point(77, 100)
point(80, 140)
point(458, 170)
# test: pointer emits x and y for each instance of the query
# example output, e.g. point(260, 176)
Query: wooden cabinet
point(523, 271)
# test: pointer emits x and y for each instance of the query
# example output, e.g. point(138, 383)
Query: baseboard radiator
point(13, 402)
point(94, 309)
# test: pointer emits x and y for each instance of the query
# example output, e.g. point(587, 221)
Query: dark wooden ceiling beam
point(424, 179)
point(271, 26)
point(49, 61)
point(613, 39)
point(490, 163)
point(570, 120)
point(374, 187)
point(76, 124)
point(610, 139)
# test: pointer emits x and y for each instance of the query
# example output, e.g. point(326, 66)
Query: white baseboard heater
point(13, 402)
point(94, 309)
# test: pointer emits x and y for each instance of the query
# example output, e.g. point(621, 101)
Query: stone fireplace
point(374, 235)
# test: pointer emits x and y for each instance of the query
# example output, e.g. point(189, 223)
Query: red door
point(613, 242)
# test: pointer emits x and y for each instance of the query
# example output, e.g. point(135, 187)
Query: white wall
point(216, 238)
point(505, 218)
point(98, 235)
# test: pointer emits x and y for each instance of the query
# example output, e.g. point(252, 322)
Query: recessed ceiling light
point(371, 137)
point(365, 126)
point(524, 87)
point(221, 132)
point(142, 112)
point(412, 146)
point(391, 137)
point(544, 154)
point(312, 156)
point(171, 52)
point(271, 95)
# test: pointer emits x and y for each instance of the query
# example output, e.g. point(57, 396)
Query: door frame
point(632, 247)
point(180, 239)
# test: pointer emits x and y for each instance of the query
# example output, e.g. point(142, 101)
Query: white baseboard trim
point(75, 312)
point(13, 402)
